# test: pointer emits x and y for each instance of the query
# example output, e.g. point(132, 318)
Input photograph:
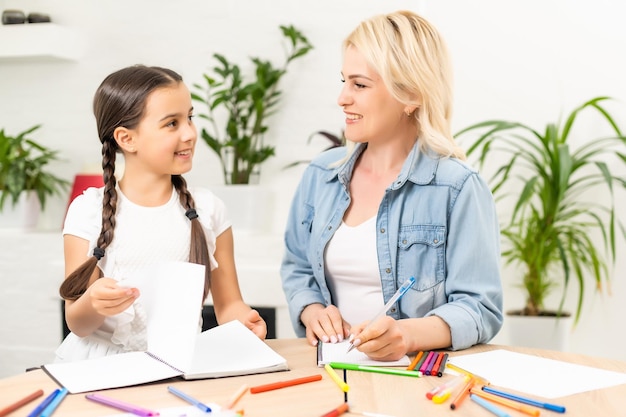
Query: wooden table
point(391, 395)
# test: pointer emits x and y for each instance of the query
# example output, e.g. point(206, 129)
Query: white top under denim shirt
point(436, 222)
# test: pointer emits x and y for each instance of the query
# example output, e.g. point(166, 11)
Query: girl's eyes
point(174, 122)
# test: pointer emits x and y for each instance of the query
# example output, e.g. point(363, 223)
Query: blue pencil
point(44, 403)
point(547, 406)
point(47, 412)
point(488, 406)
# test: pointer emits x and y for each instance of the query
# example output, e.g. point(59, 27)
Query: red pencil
point(337, 411)
point(12, 407)
point(283, 384)
point(435, 368)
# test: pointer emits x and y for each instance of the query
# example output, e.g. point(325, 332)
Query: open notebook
point(338, 352)
point(227, 350)
point(175, 348)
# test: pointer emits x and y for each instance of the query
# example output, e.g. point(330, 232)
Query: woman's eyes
point(356, 84)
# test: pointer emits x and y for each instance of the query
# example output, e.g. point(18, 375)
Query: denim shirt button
point(393, 309)
point(382, 230)
point(436, 241)
point(388, 270)
point(404, 242)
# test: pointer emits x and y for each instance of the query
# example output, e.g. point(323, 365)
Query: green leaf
point(558, 233)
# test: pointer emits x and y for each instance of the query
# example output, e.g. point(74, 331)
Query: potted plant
point(246, 106)
point(559, 230)
point(23, 173)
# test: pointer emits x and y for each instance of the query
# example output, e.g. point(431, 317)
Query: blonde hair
point(413, 62)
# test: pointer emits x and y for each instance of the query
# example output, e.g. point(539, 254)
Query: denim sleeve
point(298, 280)
point(473, 283)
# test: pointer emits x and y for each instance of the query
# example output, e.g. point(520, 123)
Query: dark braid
point(78, 281)
point(198, 248)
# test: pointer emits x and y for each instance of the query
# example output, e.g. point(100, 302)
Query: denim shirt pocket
point(421, 254)
point(307, 219)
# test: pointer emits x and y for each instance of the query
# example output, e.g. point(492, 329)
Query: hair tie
point(98, 253)
point(191, 214)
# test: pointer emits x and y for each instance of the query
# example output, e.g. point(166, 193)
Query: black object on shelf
point(38, 18)
point(13, 17)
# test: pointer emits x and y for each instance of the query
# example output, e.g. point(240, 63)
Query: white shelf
point(38, 41)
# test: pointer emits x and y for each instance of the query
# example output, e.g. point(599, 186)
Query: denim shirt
point(436, 222)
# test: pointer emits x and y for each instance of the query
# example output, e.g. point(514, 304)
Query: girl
point(145, 113)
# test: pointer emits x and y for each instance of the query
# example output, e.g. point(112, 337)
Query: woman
point(397, 201)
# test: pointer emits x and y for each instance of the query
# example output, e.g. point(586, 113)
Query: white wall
point(524, 60)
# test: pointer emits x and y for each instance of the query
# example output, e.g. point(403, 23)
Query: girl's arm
point(227, 299)
point(102, 298)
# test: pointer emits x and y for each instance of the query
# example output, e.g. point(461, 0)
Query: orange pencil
point(283, 384)
point(237, 396)
point(20, 403)
point(526, 409)
point(415, 361)
point(456, 402)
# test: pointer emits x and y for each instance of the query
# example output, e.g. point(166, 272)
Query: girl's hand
point(255, 322)
point(324, 323)
point(108, 298)
point(384, 340)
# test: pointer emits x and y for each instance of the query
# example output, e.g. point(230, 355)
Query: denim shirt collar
point(419, 167)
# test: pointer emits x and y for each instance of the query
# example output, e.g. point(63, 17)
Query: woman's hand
point(324, 323)
point(384, 340)
point(108, 298)
point(255, 322)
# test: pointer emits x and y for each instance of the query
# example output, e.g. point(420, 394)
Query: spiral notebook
point(174, 346)
point(227, 350)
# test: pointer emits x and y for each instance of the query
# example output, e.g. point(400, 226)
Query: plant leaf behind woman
point(557, 231)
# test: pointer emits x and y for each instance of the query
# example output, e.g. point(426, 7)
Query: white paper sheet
point(338, 352)
point(535, 375)
point(171, 295)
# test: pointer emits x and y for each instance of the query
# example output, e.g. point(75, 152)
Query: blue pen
point(44, 403)
point(401, 291)
point(488, 406)
point(189, 399)
point(547, 406)
point(50, 408)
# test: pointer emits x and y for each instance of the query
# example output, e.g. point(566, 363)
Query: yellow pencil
point(340, 382)
point(479, 379)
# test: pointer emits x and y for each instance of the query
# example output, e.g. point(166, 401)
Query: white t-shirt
point(352, 271)
point(143, 236)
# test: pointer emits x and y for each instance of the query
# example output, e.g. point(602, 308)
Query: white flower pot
point(249, 206)
point(24, 215)
point(543, 332)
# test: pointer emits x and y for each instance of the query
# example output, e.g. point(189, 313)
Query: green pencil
point(376, 369)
